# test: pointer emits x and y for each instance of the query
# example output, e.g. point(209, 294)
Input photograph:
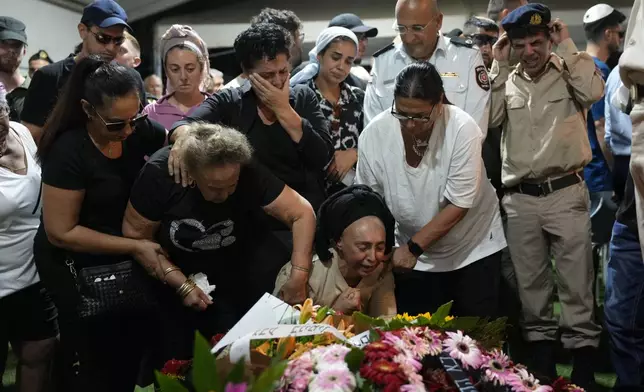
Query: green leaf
point(169, 384)
point(204, 369)
point(236, 375)
point(354, 359)
point(422, 321)
point(374, 336)
point(464, 324)
point(397, 324)
point(322, 313)
point(438, 318)
point(367, 386)
point(266, 381)
point(363, 321)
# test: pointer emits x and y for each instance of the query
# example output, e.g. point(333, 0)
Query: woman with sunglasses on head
point(424, 157)
point(93, 146)
point(186, 66)
point(331, 60)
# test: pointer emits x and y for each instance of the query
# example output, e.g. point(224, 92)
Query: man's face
point(128, 55)
point(418, 28)
point(275, 71)
point(154, 86)
point(362, 47)
point(104, 42)
point(615, 38)
point(35, 65)
point(485, 40)
point(533, 52)
point(11, 54)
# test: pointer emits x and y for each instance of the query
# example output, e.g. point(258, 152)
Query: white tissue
point(201, 280)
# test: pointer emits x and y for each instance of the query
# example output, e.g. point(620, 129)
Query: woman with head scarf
point(354, 237)
point(331, 60)
point(186, 68)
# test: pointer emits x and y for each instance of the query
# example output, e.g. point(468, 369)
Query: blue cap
point(529, 15)
point(105, 13)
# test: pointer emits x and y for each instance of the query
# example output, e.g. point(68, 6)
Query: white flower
point(463, 348)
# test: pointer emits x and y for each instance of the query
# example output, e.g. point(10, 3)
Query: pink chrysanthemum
point(522, 381)
point(330, 355)
point(434, 344)
point(396, 342)
point(410, 367)
point(497, 368)
point(333, 379)
point(415, 343)
point(463, 348)
point(297, 375)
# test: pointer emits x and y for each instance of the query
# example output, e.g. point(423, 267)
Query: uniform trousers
point(557, 224)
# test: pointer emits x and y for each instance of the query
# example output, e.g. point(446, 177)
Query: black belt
point(547, 187)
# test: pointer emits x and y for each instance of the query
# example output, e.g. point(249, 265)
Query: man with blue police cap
point(542, 106)
point(460, 64)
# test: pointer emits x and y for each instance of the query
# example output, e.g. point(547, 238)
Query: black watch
point(414, 248)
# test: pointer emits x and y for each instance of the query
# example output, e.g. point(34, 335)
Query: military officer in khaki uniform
point(541, 105)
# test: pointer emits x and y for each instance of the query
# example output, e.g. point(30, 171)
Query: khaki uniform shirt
point(326, 283)
point(544, 123)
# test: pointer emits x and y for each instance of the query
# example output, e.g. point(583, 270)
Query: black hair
point(94, 80)
point(262, 40)
point(474, 23)
point(342, 38)
point(285, 18)
point(595, 31)
point(420, 80)
point(41, 55)
point(528, 31)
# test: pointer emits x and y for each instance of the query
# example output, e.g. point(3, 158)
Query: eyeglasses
point(418, 118)
point(107, 39)
point(483, 39)
point(414, 29)
point(118, 126)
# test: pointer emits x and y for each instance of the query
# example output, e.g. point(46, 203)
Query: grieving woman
point(211, 228)
point(354, 239)
point(29, 315)
point(424, 157)
point(186, 67)
point(90, 156)
point(331, 60)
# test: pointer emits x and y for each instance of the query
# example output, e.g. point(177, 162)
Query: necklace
point(419, 144)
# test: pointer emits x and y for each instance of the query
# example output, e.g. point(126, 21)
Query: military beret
point(529, 15)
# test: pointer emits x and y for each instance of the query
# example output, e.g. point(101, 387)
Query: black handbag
point(112, 288)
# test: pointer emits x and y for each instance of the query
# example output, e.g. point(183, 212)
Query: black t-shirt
point(202, 236)
point(626, 214)
point(75, 163)
point(46, 85)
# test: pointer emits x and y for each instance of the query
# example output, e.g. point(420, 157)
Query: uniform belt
point(547, 187)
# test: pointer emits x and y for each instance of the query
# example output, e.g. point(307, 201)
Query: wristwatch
point(414, 248)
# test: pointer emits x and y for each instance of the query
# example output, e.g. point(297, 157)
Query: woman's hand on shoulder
point(176, 162)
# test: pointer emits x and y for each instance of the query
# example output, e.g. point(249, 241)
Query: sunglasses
point(483, 39)
point(118, 126)
point(419, 118)
point(107, 39)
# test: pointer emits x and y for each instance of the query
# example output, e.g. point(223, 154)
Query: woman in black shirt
point(209, 228)
point(331, 61)
point(93, 146)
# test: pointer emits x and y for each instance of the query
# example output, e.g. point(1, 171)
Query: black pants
point(620, 173)
point(474, 289)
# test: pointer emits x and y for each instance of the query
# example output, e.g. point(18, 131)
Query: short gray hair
point(215, 145)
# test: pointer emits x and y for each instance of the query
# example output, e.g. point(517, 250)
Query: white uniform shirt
point(464, 76)
point(451, 170)
point(19, 220)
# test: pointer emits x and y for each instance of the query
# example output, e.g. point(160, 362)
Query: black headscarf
point(345, 207)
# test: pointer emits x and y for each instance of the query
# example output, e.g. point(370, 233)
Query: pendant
point(416, 149)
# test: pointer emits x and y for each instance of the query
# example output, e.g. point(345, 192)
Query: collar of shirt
point(554, 61)
point(163, 105)
point(441, 48)
point(346, 95)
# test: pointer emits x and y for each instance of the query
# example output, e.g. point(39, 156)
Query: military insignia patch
point(535, 19)
point(481, 78)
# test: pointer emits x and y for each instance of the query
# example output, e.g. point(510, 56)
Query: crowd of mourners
point(487, 166)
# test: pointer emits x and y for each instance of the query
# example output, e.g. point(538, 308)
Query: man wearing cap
point(465, 78)
point(355, 24)
point(101, 29)
point(541, 105)
point(38, 60)
point(604, 34)
point(13, 46)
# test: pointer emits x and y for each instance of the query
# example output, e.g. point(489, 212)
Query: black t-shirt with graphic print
point(202, 236)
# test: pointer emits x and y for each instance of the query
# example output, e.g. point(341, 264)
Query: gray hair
point(215, 145)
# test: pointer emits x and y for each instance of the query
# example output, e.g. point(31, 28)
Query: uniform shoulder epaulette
point(384, 50)
point(466, 42)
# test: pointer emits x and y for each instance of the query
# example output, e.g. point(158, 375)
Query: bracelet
point(298, 268)
point(167, 271)
point(414, 248)
point(186, 288)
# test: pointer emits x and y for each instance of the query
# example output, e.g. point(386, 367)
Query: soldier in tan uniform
point(541, 105)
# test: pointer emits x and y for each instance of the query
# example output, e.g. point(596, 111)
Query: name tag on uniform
point(449, 75)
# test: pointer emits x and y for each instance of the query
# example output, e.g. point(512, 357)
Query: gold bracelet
point(298, 268)
point(186, 288)
point(167, 271)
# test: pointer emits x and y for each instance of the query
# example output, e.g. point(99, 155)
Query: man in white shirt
point(459, 63)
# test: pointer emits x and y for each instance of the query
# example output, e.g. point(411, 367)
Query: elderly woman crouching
point(355, 235)
point(210, 227)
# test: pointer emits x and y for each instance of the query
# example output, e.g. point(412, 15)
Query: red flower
point(215, 339)
point(175, 367)
point(384, 373)
point(379, 351)
point(438, 380)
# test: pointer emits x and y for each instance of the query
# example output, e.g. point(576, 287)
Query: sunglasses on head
point(104, 39)
point(483, 39)
point(118, 126)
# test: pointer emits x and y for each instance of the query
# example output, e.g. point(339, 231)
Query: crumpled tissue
point(201, 280)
